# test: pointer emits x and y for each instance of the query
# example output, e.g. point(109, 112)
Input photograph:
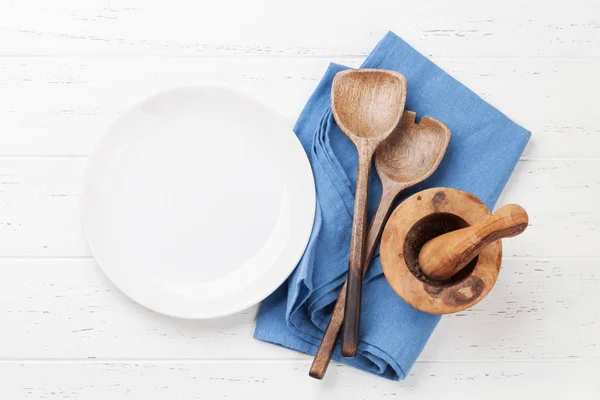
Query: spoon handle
point(325, 351)
point(351, 324)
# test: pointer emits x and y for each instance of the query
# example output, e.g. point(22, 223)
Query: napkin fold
point(483, 151)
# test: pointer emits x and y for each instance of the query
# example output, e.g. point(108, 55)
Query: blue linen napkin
point(483, 151)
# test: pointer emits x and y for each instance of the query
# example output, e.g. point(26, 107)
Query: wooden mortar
point(428, 215)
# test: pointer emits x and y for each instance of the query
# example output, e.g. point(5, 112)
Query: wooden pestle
point(444, 256)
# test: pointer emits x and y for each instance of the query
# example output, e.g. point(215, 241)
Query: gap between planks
point(80, 156)
point(307, 360)
point(516, 258)
point(332, 57)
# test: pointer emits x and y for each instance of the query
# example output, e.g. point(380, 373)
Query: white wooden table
point(69, 67)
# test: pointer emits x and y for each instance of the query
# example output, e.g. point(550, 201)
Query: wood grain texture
point(367, 105)
point(270, 28)
point(65, 309)
point(421, 218)
point(444, 256)
point(268, 379)
point(408, 156)
point(61, 106)
point(413, 152)
point(69, 68)
point(351, 325)
point(39, 214)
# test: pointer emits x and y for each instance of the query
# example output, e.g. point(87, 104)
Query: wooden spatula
point(367, 105)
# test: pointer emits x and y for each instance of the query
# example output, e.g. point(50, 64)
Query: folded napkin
point(483, 151)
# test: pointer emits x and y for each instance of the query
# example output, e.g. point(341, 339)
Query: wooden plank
point(39, 207)
point(51, 106)
point(269, 27)
point(66, 309)
point(239, 380)
point(68, 69)
point(39, 213)
point(559, 197)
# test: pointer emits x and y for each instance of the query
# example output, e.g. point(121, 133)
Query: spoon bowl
point(368, 103)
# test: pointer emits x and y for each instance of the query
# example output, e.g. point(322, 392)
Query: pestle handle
point(445, 255)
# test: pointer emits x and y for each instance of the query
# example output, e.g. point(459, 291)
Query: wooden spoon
point(444, 256)
point(367, 105)
point(417, 148)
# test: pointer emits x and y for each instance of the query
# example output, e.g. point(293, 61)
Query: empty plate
point(198, 202)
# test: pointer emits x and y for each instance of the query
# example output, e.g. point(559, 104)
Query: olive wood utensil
point(444, 256)
point(367, 105)
point(409, 156)
point(424, 220)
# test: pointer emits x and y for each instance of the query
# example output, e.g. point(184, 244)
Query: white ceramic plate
point(198, 202)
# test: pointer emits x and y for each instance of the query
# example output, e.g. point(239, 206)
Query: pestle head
point(444, 256)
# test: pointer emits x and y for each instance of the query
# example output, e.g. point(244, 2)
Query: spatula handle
point(357, 246)
point(329, 340)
